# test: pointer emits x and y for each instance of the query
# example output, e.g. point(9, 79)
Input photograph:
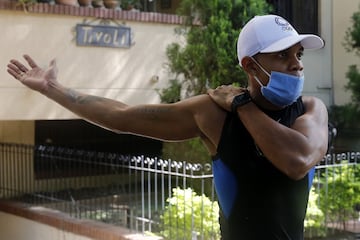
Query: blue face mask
point(283, 89)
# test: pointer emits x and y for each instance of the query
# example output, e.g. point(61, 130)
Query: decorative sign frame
point(103, 35)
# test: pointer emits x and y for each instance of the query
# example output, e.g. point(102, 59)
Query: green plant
point(130, 4)
point(314, 220)
point(353, 84)
point(352, 35)
point(346, 116)
point(352, 44)
point(171, 94)
point(187, 214)
point(26, 3)
point(340, 193)
point(209, 57)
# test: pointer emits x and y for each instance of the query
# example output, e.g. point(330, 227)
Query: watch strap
point(240, 100)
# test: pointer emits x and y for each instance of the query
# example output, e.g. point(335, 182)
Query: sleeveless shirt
point(257, 200)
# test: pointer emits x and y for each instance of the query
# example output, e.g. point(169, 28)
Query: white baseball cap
point(272, 33)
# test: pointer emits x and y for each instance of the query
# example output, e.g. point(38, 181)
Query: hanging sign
point(103, 36)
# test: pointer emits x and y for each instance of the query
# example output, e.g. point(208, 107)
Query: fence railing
point(134, 191)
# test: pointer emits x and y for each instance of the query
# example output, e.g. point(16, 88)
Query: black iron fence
point(166, 197)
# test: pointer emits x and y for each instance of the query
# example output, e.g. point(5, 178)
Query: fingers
point(19, 70)
point(230, 88)
point(18, 66)
point(13, 73)
point(218, 90)
point(16, 71)
point(53, 63)
point(221, 86)
point(18, 76)
point(30, 61)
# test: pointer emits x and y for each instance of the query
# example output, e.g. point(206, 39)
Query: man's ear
point(249, 66)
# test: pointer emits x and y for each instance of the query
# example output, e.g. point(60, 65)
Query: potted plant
point(67, 2)
point(84, 3)
point(112, 3)
point(25, 3)
point(97, 3)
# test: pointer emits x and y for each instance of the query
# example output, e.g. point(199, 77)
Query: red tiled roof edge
point(45, 8)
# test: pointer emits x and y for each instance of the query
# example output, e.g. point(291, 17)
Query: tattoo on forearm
point(153, 111)
point(82, 99)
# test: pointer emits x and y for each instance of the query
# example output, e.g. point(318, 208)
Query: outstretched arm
point(162, 121)
point(293, 150)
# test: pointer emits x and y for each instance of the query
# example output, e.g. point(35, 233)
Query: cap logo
point(285, 26)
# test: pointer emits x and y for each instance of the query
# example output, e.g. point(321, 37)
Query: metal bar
point(46, 174)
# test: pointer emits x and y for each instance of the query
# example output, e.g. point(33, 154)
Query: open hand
point(224, 95)
point(34, 77)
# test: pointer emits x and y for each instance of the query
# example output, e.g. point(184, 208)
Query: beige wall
point(123, 74)
point(325, 69)
point(17, 132)
point(341, 21)
point(127, 74)
point(317, 64)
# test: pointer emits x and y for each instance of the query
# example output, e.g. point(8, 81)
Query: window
point(302, 14)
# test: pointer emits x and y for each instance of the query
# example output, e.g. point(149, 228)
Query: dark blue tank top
point(257, 200)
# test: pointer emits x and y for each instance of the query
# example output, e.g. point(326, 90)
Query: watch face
point(240, 100)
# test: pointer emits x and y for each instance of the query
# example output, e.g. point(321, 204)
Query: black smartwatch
point(240, 100)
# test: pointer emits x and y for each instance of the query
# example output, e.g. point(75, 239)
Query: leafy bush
point(314, 220)
point(342, 194)
point(210, 31)
point(188, 213)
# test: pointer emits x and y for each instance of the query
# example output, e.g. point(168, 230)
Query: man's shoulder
point(312, 100)
point(210, 118)
point(313, 103)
